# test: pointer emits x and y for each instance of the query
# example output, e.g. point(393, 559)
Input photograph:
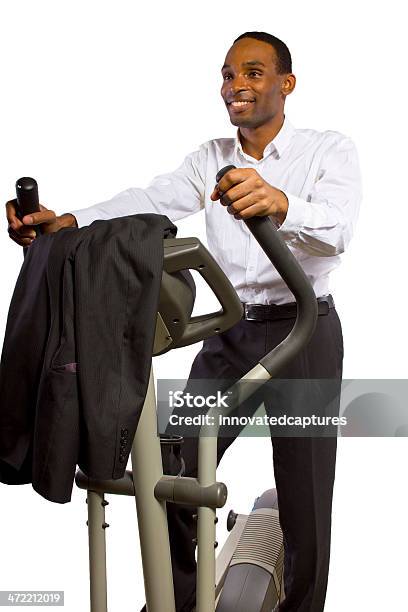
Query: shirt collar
point(278, 144)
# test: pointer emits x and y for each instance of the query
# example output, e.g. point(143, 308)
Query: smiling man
point(254, 91)
point(309, 183)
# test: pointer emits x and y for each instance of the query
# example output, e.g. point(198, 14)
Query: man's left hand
point(246, 194)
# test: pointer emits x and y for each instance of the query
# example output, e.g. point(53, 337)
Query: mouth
point(239, 106)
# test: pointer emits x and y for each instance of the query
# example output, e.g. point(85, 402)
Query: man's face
point(251, 89)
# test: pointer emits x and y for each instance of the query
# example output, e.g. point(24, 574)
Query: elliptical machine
point(253, 553)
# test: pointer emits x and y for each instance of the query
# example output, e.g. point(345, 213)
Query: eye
point(255, 73)
point(226, 76)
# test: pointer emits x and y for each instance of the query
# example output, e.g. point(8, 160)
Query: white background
point(100, 96)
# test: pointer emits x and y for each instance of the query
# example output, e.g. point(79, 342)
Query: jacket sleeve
point(323, 223)
point(177, 195)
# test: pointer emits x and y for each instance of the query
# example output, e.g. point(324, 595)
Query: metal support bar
point(97, 551)
point(207, 465)
point(119, 486)
point(184, 490)
point(176, 489)
point(151, 513)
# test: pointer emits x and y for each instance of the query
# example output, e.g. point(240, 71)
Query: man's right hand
point(23, 233)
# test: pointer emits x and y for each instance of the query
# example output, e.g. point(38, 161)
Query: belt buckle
point(247, 317)
point(323, 306)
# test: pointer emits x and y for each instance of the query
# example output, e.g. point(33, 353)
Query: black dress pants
point(304, 467)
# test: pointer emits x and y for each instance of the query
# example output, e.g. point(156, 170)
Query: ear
point(288, 84)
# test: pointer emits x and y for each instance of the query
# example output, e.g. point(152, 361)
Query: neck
point(254, 140)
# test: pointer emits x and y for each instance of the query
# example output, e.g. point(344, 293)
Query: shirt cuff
point(295, 217)
point(85, 216)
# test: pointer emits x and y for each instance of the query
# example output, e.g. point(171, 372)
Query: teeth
point(241, 103)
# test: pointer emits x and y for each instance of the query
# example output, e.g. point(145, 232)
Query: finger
point(11, 213)
point(24, 242)
point(21, 230)
point(237, 193)
point(251, 211)
point(240, 205)
point(233, 177)
point(46, 216)
point(19, 239)
point(215, 194)
point(26, 232)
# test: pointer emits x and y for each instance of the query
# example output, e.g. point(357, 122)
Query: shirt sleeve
point(324, 222)
point(176, 195)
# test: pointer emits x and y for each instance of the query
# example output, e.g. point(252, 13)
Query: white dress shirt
point(318, 172)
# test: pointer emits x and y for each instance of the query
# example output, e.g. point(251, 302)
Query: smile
point(240, 105)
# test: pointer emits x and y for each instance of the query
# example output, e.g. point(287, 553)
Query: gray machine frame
point(151, 489)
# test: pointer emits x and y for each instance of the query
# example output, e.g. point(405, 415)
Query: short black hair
point(284, 59)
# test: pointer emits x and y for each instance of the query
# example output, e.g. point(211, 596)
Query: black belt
point(270, 312)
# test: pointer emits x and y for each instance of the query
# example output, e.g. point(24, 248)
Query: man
point(309, 183)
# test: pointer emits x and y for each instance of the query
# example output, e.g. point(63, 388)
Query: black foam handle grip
point(27, 199)
point(27, 196)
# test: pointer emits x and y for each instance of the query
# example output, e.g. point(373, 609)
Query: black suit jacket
point(77, 352)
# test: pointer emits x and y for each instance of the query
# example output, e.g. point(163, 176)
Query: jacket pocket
point(61, 347)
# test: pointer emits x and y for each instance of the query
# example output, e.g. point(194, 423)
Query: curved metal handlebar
point(272, 243)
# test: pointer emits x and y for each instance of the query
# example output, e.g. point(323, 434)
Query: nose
point(236, 84)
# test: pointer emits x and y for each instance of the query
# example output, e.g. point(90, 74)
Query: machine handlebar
point(272, 243)
point(27, 198)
